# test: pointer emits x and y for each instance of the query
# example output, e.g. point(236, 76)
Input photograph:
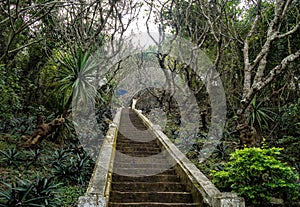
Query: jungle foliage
point(46, 48)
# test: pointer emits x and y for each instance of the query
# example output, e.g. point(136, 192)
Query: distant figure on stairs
point(133, 103)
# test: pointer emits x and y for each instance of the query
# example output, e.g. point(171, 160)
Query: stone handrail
point(99, 185)
point(203, 190)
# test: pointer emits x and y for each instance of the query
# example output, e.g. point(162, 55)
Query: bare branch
point(277, 70)
point(24, 46)
point(292, 31)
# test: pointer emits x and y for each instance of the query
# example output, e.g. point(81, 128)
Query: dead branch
point(42, 130)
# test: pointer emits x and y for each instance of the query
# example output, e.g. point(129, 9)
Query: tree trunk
point(42, 130)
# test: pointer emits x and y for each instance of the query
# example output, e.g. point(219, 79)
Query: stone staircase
point(139, 166)
point(141, 182)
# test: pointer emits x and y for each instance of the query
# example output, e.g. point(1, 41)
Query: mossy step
point(166, 197)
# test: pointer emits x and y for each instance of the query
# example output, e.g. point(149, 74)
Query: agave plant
point(72, 165)
point(32, 157)
point(75, 77)
point(18, 194)
point(26, 193)
point(10, 156)
point(260, 115)
point(61, 155)
point(44, 187)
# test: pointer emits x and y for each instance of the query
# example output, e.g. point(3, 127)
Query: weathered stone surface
point(277, 202)
point(92, 201)
point(99, 184)
point(183, 184)
point(203, 190)
point(142, 174)
point(229, 200)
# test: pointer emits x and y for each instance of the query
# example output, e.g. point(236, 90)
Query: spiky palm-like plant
point(260, 115)
point(75, 78)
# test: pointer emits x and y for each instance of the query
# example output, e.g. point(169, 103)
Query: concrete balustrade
point(98, 188)
point(203, 190)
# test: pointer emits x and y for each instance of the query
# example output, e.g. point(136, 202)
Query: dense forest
point(58, 56)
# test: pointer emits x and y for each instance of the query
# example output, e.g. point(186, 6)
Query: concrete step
point(137, 144)
point(150, 164)
point(151, 143)
point(152, 178)
point(146, 162)
point(144, 171)
point(151, 204)
point(138, 149)
point(132, 159)
point(160, 188)
point(132, 145)
point(139, 154)
point(133, 125)
point(139, 138)
point(166, 197)
point(148, 186)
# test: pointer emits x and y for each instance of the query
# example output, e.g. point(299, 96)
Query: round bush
point(257, 175)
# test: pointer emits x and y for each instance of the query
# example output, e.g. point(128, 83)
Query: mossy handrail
point(203, 190)
point(98, 189)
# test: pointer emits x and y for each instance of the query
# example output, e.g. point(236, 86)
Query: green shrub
point(40, 192)
point(10, 156)
point(11, 95)
point(288, 135)
point(69, 195)
point(257, 175)
point(291, 148)
point(289, 120)
point(67, 161)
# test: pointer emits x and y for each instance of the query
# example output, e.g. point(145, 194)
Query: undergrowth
point(50, 175)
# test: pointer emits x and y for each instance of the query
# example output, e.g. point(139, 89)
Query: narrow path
point(130, 184)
